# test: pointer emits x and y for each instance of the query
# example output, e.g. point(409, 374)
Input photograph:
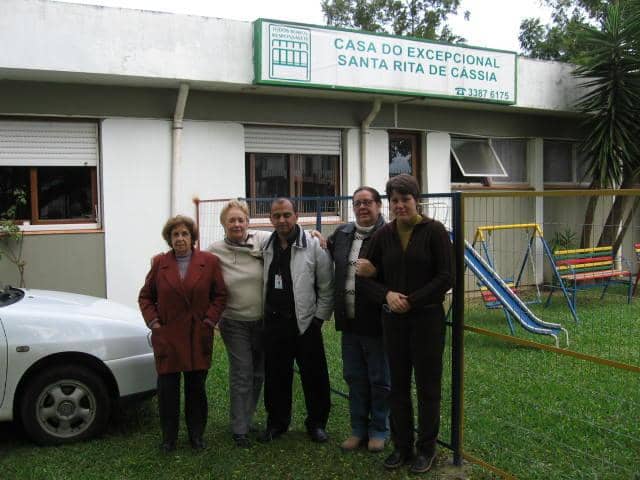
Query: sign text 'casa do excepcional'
point(327, 58)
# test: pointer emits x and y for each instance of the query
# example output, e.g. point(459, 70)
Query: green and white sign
point(327, 58)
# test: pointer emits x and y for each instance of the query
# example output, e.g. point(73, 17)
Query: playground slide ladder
point(509, 300)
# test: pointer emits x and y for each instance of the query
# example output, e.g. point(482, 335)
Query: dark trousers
point(195, 403)
point(415, 343)
point(282, 347)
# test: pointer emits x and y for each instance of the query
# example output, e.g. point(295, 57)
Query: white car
point(66, 359)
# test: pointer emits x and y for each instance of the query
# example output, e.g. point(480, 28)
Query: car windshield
point(9, 295)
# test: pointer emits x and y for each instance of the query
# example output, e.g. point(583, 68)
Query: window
point(488, 161)
point(564, 164)
point(292, 162)
point(53, 167)
point(513, 156)
point(14, 182)
point(52, 194)
point(293, 175)
point(476, 158)
point(403, 153)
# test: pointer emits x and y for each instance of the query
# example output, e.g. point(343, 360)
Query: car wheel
point(65, 404)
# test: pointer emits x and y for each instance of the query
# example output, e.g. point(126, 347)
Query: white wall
point(351, 161)
point(376, 165)
point(212, 163)
point(136, 161)
point(436, 174)
point(136, 166)
point(376, 171)
point(86, 43)
point(122, 45)
point(546, 85)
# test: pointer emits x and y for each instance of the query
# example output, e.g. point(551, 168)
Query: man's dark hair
point(372, 191)
point(282, 200)
point(404, 184)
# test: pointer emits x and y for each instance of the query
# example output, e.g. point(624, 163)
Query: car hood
point(68, 304)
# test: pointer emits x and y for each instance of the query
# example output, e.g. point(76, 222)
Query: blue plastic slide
point(509, 300)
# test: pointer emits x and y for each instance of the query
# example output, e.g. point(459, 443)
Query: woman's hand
point(321, 239)
point(398, 302)
point(364, 268)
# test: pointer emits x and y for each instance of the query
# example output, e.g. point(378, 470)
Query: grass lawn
point(541, 415)
point(129, 448)
point(532, 413)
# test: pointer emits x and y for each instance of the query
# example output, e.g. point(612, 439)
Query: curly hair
point(239, 204)
point(176, 221)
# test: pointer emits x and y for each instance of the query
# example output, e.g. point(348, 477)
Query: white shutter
point(314, 141)
point(48, 144)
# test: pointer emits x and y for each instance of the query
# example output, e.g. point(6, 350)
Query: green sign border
point(257, 64)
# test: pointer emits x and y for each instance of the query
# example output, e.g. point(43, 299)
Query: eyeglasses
point(366, 203)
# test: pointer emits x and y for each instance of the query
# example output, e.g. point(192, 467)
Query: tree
point(609, 66)
point(11, 237)
point(416, 18)
point(559, 40)
point(601, 37)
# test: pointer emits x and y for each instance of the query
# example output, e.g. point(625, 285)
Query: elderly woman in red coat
point(181, 301)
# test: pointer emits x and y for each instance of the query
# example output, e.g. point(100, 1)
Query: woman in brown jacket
point(181, 301)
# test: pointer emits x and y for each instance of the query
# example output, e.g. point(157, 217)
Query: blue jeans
point(366, 371)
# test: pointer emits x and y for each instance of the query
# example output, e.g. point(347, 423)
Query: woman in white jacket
point(240, 256)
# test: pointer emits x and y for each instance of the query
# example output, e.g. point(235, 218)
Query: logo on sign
point(289, 53)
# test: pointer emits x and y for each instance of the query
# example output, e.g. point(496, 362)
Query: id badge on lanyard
point(277, 282)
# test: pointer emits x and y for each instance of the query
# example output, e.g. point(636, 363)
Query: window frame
point(34, 224)
point(33, 207)
point(487, 182)
point(415, 138)
point(574, 182)
point(35, 214)
point(250, 162)
point(495, 156)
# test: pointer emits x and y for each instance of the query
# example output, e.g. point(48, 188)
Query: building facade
point(112, 120)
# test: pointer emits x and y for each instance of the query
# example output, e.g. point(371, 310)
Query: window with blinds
point(293, 162)
point(48, 171)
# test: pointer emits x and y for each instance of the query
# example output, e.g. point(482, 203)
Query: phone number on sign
point(483, 93)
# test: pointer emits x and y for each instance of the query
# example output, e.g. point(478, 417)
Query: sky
point(493, 23)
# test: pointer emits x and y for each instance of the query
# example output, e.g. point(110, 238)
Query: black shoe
point(397, 459)
point(253, 428)
point(168, 447)
point(198, 443)
point(241, 440)
point(318, 434)
point(270, 434)
point(422, 463)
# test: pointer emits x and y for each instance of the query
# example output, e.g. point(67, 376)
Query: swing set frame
point(481, 237)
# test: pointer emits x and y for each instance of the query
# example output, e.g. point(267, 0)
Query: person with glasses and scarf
point(364, 362)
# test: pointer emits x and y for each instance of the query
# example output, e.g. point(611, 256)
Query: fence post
point(197, 203)
point(457, 337)
point(318, 216)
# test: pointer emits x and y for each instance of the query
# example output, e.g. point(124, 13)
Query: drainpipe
point(176, 153)
point(364, 131)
